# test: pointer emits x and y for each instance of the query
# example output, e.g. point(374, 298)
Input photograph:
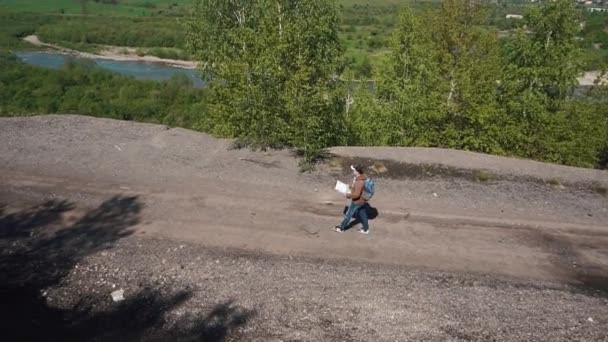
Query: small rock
point(590, 319)
point(434, 194)
point(118, 295)
point(316, 190)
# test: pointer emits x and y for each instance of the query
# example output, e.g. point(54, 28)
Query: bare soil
point(211, 243)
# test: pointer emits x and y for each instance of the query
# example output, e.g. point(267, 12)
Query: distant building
point(514, 16)
point(597, 9)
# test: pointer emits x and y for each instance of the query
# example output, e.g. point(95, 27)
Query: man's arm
point(357, 191)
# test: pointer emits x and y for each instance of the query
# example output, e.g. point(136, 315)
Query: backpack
point(369, 188)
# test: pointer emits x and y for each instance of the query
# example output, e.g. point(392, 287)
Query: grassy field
point(122, 7)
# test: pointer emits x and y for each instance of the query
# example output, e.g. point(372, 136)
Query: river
point(138, 70)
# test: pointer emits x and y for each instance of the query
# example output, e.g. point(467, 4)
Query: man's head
point(357, 169)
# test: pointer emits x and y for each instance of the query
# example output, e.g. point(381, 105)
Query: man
point(357, 201)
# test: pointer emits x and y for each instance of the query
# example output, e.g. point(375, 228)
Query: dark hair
point(359, 168)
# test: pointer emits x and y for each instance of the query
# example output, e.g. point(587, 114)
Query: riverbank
point(117, 53)
point(114, 53)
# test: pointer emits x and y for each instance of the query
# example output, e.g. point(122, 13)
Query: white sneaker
point(366, 232)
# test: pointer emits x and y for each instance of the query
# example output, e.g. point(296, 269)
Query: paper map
point(342, 187)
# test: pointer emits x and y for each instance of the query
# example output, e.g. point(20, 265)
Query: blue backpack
point(369, 188)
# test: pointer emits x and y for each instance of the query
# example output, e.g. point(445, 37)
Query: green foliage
point(364, 68)
point(274, 67)
point(469, 65)
point(15, 26)
point(438, 86)
point(594, 37)
point(99, 7)
point(447, 84)
point(81, 87)
point(121, 31)
point(542, 68)
point(168, 53)
point(409, 87)
point(594, 31)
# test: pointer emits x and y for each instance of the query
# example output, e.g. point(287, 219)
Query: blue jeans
point(351, 212)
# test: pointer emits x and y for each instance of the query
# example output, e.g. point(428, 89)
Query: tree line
point(279, 80)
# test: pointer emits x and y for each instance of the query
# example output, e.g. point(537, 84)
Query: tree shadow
point(39, 249)
point(21, 224)
point(42, 250)
point(216, 326)
point(143, 317)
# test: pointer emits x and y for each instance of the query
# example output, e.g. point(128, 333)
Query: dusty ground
point(210, 243)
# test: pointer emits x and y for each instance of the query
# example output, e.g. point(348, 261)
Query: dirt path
point(240, 199)
point(242, 216)
point(195, 192)
point(113, 53)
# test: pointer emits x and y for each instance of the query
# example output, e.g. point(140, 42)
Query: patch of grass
point(307, 165)
point(309, 159)
point(554, 182)
point(379, 167)
point(239, 144)
point(335, 163)
point(169, 53)
point(485, 176)
point(91, 48)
